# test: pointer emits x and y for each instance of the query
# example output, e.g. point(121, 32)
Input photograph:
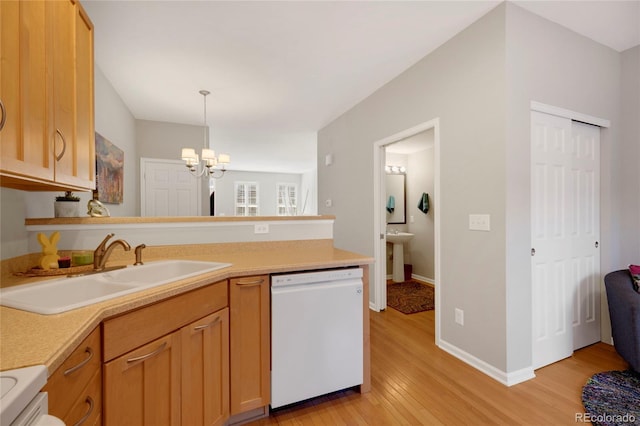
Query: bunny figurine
point(49, 250)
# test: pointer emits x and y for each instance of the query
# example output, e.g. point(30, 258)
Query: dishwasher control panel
point(316, 276)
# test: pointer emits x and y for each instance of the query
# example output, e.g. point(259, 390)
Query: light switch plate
point(479, 222)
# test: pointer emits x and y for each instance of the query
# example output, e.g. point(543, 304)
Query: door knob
point(533, 252)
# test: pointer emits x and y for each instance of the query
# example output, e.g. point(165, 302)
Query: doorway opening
point(429, 129)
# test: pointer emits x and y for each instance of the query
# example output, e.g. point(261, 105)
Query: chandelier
point(209, 160)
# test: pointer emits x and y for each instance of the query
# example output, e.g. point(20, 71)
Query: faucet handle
point(138, 251)
point(102, 245)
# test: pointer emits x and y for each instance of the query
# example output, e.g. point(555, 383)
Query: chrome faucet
point(102, 252)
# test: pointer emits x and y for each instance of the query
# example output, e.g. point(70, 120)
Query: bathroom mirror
point(395, 204)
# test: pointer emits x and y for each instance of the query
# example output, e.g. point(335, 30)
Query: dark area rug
point(410, 297)
point(612, 398)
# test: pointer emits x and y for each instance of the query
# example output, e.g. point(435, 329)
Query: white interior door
point(585, 233)
point(565, 213)
point(168, 189)
point(551, 252)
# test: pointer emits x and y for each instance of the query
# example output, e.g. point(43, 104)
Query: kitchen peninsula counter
point(30, 339)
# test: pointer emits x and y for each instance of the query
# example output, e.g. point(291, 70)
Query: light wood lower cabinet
point(250, 343)
point(181, 377)
point(75, 388)
point(142, 387)
point(205, 370)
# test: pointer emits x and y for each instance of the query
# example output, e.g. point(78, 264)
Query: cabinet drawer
point(73, 375)
point(88, 407)
point(129, 331)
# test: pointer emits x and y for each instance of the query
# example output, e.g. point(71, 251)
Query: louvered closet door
point(565, 214)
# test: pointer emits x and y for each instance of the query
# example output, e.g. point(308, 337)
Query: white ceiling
point(280, 71)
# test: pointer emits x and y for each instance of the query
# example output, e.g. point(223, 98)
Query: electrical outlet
point(479, 222)
point(459, 316)
point(261, 228)
point(328, 203)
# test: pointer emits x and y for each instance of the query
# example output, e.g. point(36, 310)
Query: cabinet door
point(205, 370)
point(142, 387)
point(85, 172)
point(71, 94)
point(24, 142)
point(250, 346)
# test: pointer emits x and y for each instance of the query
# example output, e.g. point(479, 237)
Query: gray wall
point(480, 84)
point(627, 182)
point(553, 65)
point(462, 83)
point(420, 179)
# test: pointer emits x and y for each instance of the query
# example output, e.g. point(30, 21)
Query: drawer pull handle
point(253, 282)
point(84, 418)
point(203, 326)
point(89, 353)
point(154, 353)
point(64, 145)
point(4, 115)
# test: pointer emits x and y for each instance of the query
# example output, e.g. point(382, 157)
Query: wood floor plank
point(413, 382)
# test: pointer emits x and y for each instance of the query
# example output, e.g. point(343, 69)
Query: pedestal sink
point(398, 240)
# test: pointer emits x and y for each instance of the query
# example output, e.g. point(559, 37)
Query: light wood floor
point(416, 383)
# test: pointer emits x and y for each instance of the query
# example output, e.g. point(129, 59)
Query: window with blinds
point(287, 199)
point(247, 200)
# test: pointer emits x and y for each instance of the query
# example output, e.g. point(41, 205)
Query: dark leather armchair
point(624, 311)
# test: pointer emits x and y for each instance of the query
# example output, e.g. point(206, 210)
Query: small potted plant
point(67, 205)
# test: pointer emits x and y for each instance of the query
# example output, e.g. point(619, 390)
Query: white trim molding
point(572, 115)
point(507, 379)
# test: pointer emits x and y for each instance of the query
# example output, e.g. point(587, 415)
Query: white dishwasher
point(316, 334)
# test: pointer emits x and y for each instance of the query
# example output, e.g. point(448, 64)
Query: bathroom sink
point(400, 237)
point(65, 294)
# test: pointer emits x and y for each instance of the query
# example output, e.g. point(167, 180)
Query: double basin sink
point(65, 294)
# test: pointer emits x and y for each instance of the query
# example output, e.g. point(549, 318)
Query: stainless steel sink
point(65, 294)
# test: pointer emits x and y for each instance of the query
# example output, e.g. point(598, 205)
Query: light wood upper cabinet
point(24, 138)
point(250, 343)
point(46, 84)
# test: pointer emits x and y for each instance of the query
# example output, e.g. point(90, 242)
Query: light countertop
point(29, 339)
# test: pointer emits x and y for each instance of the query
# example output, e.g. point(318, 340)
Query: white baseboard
point(423, 279)
point(419, 278)
point(507, 379)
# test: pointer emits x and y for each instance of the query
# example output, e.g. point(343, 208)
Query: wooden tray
point(39, 272)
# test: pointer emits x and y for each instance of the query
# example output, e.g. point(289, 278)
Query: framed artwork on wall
point(109, 171)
